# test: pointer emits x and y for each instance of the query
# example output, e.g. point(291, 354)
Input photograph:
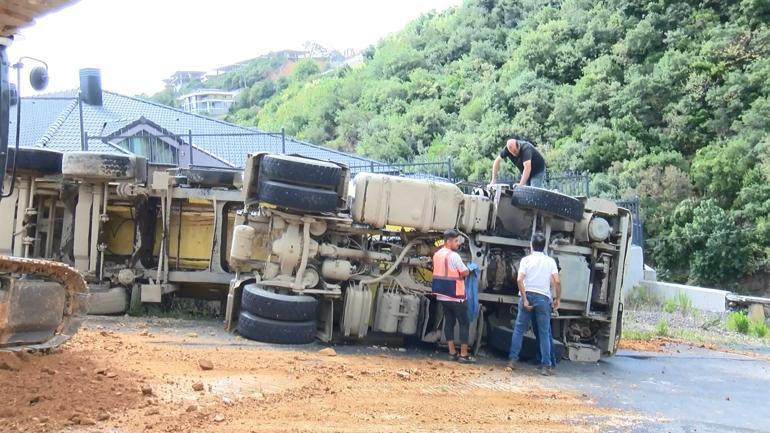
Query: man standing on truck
point(448, 285)
point(526, 158)
point(537, 274)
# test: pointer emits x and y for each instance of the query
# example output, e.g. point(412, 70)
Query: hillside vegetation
point(667, 100)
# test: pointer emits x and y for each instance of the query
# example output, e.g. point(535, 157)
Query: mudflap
point(41, 303)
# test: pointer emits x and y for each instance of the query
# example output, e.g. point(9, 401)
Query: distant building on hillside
point(180, 78)
point(209, 102)
point(291, 56)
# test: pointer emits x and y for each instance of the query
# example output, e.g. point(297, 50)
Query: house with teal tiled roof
point(116, 123)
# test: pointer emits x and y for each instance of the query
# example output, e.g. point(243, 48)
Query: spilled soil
point(105, 381)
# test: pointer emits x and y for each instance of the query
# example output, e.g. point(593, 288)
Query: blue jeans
point(550, 340)
point(537, 179)
point(541, 310)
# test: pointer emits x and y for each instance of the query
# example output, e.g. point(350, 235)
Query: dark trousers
point(456, 311)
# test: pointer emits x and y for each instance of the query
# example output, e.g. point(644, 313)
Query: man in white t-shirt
point(538, 273)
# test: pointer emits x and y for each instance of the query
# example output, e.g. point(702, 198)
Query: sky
point(138, 43)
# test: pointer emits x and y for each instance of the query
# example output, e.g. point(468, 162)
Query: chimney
point(91, 86)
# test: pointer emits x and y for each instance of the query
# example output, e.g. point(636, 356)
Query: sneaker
point(513, 364)
point(453, 356)
point(468, 359)
point(546, 371)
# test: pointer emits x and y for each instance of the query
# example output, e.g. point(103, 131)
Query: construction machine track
point(16, 321)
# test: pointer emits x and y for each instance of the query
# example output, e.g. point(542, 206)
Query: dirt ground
point(140, 381)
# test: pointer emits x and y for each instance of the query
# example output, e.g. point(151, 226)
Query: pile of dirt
point(137, 382)
point(47, 392)
point(654, 345)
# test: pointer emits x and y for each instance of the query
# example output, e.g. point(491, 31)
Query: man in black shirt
point(528, 160)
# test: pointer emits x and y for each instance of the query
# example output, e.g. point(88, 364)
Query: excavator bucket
point(41, 303)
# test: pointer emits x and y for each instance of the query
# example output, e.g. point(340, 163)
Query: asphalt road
point(695, 390)
point(684, 389)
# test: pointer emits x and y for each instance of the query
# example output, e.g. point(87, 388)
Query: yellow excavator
point(41, 301)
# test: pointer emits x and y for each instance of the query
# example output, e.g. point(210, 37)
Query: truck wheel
point(32, 160)
point(276, 306)
point(300, 171)
point(111, 301)
point(296, 197)
point(274, 331)
point(103, 166)
point(552, 202)
point(500, 339)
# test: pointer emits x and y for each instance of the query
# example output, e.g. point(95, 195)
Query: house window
point(151, 147)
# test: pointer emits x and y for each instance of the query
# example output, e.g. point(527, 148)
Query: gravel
point(698, 326)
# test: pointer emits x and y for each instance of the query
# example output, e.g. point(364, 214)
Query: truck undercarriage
point(360, 255)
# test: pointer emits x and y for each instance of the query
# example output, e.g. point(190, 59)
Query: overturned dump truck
point(300, 252)
point(316, 255)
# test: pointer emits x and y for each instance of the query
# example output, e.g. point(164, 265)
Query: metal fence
point(633, 204)
point(576, 185)
point(437, 170)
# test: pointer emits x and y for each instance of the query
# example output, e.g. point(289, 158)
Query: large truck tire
point(34, 160)
point(297, 197)
point(300, 171)
point(103, 166)
point(275, 331)
point(111, 301)
point(552, 202)
point(276, 306)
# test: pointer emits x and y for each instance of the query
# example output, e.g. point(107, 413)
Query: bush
point(640, 298)
point(670, 305)
point(684, 303)
point(703, 243)
point(759, 329)
point(662, 328)
point(738, 322)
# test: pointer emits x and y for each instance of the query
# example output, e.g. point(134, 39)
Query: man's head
point(538, 242)
point(513, 146)
point(452, 239)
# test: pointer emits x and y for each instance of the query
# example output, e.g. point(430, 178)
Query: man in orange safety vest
point(449, 274)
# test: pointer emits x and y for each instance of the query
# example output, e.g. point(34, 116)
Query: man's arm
point(459, 266)
point(556, 284)
point(523, 291)
point(526, 173)
point(495, 168)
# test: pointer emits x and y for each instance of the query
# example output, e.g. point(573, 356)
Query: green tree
point(704, 245)
point(305, 68)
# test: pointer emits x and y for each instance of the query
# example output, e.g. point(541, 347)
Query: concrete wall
point(701, 297)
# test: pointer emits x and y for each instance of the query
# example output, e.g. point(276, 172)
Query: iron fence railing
point(633, 204)
point(576, 185)
point(434, 170)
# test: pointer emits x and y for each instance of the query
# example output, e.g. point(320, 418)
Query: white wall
point(701, 297)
